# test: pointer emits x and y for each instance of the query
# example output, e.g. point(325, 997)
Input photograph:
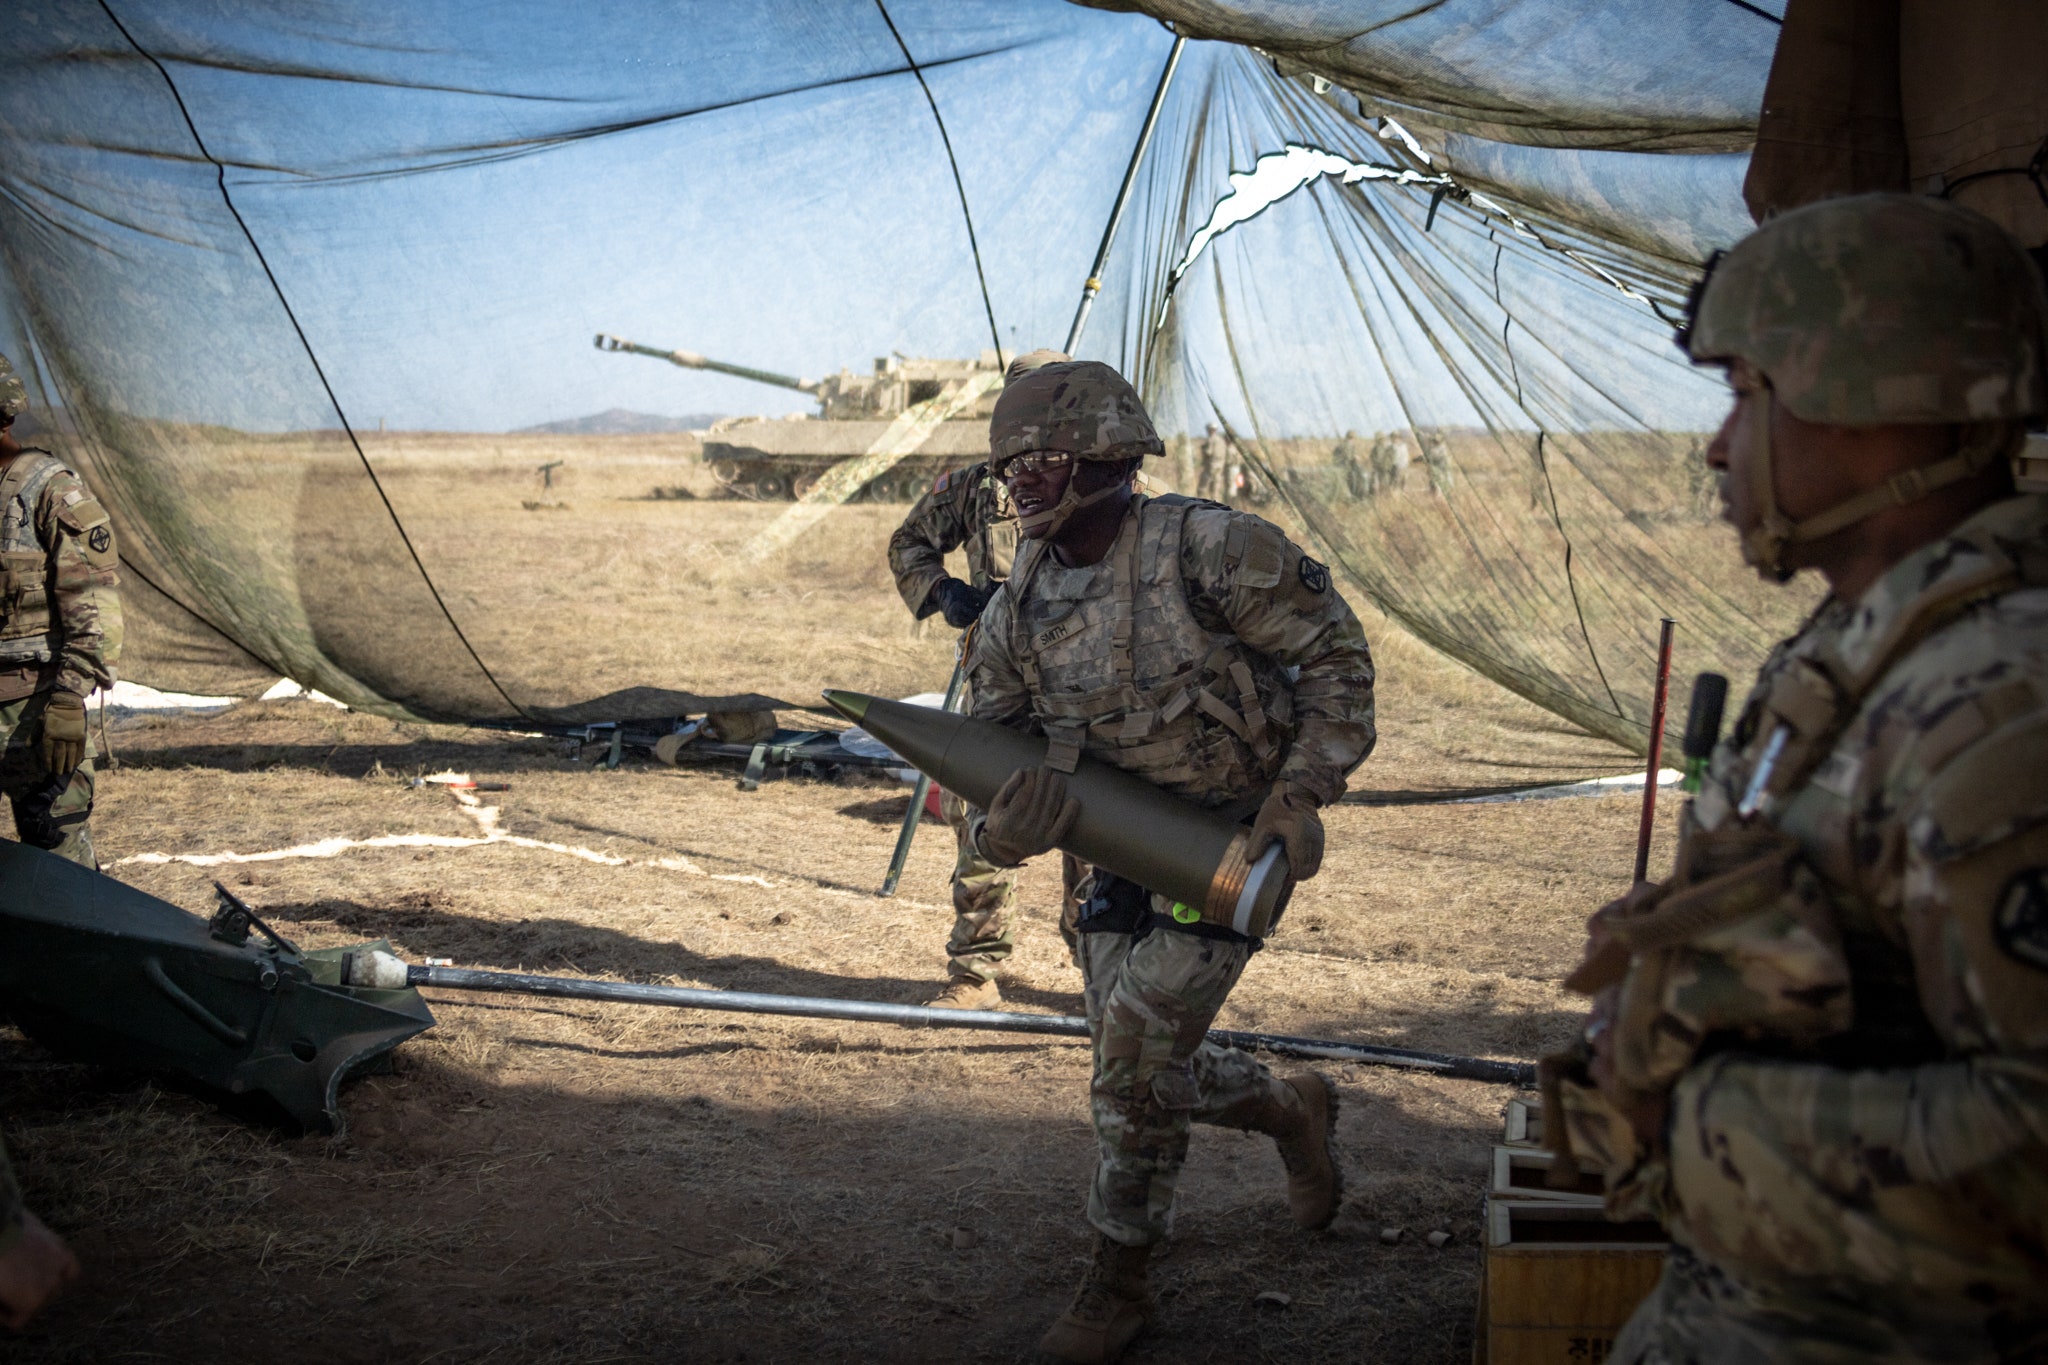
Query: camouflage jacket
point(1893, 1183)
point(1205, 653)
point(60, 618)
point(966, 507)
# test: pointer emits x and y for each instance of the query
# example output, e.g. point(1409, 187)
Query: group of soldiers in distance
point(1221, 473)
point(1817, 1051)
point(1384, 468)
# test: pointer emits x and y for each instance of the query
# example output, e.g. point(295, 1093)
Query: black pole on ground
point(924, 1016)
point(919, 792)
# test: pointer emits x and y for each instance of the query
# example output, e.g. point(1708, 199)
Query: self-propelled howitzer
point(780, 457)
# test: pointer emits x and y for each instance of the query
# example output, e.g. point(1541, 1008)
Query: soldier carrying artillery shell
point(1197, 648)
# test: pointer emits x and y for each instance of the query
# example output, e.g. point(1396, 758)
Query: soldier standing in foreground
point(970, 509)
point(1157, 635)
point(1820, 1051)
point(60, 635)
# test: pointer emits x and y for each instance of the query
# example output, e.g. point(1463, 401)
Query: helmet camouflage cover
point(1880, 309)
point(13, 397)
point(1082, 407)
point(1032, 360)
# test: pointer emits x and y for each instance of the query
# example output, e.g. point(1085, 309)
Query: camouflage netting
point(240, 244)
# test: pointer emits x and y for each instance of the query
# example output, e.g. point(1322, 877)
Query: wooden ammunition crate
point(1525, 1123)
point(1559, 1281)
point(1524, 1172)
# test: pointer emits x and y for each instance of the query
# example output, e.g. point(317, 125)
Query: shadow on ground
point(473, 1215)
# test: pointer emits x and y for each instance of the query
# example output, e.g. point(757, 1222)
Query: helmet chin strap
point(1763, 545)
point(1055, 516)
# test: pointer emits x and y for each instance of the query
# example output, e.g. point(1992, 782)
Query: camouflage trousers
point(985, 900)
point(984, 904)
point(49, 812)
point(1150, 1000)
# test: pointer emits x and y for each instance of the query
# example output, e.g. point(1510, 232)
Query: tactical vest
point(1119, 665)
point(28, 615)
point(1786, 738)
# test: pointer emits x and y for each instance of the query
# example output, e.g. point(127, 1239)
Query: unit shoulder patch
point(1314, 576)
point(2020, 923)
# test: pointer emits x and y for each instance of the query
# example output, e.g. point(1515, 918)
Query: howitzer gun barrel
point(381, 969)
point(690, 360)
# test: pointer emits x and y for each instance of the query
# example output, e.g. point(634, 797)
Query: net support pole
point(1093, 284)
point(925, 1016)
point(1657, 703)
point(920, 791)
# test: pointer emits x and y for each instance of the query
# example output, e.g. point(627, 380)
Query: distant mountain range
point(619, 422)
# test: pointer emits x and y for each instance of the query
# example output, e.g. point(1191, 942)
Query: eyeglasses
point(1034, 462)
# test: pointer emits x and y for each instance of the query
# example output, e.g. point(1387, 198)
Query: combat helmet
point(13, 397)
point(1875, 310)
point(1081, 408)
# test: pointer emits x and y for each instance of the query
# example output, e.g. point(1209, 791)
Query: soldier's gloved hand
point(64, 733)
point(1030, 814)
point(1289, 817)
point(961, 603)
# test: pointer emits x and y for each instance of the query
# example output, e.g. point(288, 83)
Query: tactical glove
point(1030, 814)
point(1289, 817)
point(64, 733)
point(961, 603)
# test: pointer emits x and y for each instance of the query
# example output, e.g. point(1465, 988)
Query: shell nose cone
point(852, 705)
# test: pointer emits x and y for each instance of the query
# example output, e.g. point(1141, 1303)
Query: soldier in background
point(34, 1262)
point(969, 508)
point(1436, 459)
point(1820, 1051)
point(1389, 462)
point(1161, 636)
point(1209, 481)
point(1354, 474)
point(60, 635)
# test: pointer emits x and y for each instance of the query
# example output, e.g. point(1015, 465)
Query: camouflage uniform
point(1890, 1199)
point(60, 628)
point(964, 508)
point(1844, 988)
point(1171, 659)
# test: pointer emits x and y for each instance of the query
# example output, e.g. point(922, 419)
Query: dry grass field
point(564, 1181)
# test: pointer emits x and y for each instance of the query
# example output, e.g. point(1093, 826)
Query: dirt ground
point(562, 1181)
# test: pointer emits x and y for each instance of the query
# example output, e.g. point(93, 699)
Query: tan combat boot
point(1107, 1312)
point(968, 994)
point(1300, 1115)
